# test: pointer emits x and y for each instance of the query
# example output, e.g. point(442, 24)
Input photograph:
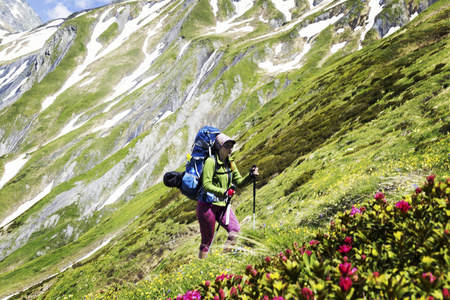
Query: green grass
point(199, 18)
point(109, 33)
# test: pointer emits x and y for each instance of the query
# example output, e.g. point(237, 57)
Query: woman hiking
point(219, 174)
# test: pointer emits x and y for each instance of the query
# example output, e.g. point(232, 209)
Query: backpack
point(189, 181)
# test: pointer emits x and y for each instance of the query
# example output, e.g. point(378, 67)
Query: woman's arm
point(238, 180)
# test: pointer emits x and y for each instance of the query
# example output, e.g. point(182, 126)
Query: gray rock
point(18, 15)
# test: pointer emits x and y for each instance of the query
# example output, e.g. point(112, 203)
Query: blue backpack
point(189, 181)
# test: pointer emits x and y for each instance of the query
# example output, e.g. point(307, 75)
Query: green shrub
point(379, 250)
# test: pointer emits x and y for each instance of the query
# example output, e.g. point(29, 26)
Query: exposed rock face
point(397, 14)
point(18, 16)
point(35, 67)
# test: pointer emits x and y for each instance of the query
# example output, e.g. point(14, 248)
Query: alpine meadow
point(344, 106)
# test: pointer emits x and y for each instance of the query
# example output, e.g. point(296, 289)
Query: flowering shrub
point(379, 251)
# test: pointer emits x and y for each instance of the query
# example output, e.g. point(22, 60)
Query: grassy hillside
point(375, 120)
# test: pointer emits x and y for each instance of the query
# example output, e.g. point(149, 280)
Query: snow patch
point(375, 9)
point(392, 30)
point(13, 74)
point(302, 18)
point(183, 49)
point(71, 126)
point(162, 116)
point(270, 67)
point(340, 30)
point(413, 16)
point(315, 28)
point(13, 92)
point(27, 205)
point(27, 42)
point(242, 7)
point(214, 6)
point(119, 192)
point(307, 32)
point(336, 47)
point(12, 168)
point(87, 82)
point(278, 49)
point(113, 121)
point(262, 20)
point(284, 6)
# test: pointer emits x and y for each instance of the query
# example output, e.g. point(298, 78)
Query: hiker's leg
point(233, 227)
point(206, 220)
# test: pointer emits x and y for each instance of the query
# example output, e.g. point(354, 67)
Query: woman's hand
point(254, 171)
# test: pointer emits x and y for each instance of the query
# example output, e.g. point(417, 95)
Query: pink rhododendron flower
point(221, 277)
point(314, 242)
point(379, 196)
point(308, 252)
point(346, 269)
point(355, 211)
point(249, 268)
point(376, 274)
point(430, 178)
point(446, 293)
point(233, 291)
point(348, 240)
point(288, 252)
point(284, 258)
point(363, 256)
point(345, 284)
point(222, 294)
point(267, 259)
point(265, 297)
point(403, 206)
point(254, 272)
point(216, 297)
point(429, 276)
point(418, 190)
point(190, 295)
point(278, 298)
point(344, 248)
point(307, 293)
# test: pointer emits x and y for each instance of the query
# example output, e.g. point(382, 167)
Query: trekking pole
point(254, 201)
point(220, 219)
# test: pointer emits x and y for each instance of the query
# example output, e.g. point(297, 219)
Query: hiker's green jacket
point(220, 180)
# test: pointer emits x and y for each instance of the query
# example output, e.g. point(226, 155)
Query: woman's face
point(226, 150)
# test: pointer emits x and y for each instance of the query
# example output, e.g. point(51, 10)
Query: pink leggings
point(207, 215)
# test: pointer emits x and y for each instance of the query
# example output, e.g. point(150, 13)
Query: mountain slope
point(117, 110)
point(17, 16)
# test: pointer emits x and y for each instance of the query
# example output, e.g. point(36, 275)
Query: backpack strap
point(228, 172)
